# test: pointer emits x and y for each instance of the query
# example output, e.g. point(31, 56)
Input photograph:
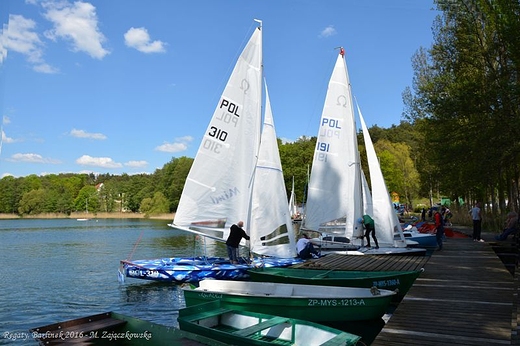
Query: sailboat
point(293, 207)
point(338, 191)
point(236, 175)
point(334, 199)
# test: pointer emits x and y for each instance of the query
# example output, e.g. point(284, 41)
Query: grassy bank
point(88, 216)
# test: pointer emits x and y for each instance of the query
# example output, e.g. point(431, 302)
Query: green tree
point(87, 200)
point(296, 158)
point(466, 91)
point(32, 202)
point(158, 204)
point(180, 169)
point(398, 168)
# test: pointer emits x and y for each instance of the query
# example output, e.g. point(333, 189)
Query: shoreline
point(117, 215)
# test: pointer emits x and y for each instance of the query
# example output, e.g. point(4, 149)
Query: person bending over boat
point(235, 236)
point(370, 229)
point(305, 248)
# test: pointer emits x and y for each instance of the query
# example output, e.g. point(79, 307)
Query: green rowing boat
point(399, 281)
point(306, 302)
point(215, 320)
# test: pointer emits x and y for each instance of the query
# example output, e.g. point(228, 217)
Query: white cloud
point(45, 68)
point(139, 39)
point(104, 162)
point(83, 134)
point(6, 120)
point(20, 37)
point(6, 139)
point(3, 43)
point(328, 31)
point(32, 158)
point(180, 144)
point(77, 23)
point(136, 164)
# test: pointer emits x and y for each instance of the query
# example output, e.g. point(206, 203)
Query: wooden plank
point(78, 330)
point(261, 326)
point(465, 297)
point(366, 263)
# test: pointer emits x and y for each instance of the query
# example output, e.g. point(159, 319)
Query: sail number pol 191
point(229, 115)
point(322, 149)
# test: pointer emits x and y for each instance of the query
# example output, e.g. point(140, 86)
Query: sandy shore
point(89, 216)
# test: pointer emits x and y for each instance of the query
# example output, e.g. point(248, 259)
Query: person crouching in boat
point(305, 248)
point(235, 236)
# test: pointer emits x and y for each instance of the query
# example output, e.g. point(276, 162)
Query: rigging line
point(135, 246)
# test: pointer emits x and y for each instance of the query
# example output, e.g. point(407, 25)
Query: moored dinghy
point(314, 303)
point(337, 187)
point(398, 281)
point(237, 327)
point(236, 175)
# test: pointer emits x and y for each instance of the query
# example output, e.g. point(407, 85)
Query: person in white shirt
point(305, 248)
point(476, 216)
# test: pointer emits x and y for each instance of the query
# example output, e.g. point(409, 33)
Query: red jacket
point(438, 220)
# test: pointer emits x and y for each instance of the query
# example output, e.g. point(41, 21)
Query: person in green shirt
point(370, 229)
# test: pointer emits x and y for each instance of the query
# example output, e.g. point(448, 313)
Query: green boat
point(305, 302)
point(114, 328)
point(398, 281)
point(237, 327)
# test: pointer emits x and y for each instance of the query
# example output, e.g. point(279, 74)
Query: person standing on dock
point(476, 216)
point(439, 225)
point(235, 236)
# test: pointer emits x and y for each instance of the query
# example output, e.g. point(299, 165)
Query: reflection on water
point(191, 246)
point(157, 297)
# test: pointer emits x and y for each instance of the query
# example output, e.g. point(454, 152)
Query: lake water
point(56, 270)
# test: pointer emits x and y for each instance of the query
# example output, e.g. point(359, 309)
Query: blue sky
point(123, 86)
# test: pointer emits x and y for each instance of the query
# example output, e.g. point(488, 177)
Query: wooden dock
point(466, 296)
point(366, 262)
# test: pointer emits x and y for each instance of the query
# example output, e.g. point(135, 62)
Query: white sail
point(237, 173)
point(271, 226)
point(368, 208)
point(335, 180)
point(217, 191)
point(293, 208)
point(385, 219)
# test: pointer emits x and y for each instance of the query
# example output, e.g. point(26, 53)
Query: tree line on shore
point(459, 136)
